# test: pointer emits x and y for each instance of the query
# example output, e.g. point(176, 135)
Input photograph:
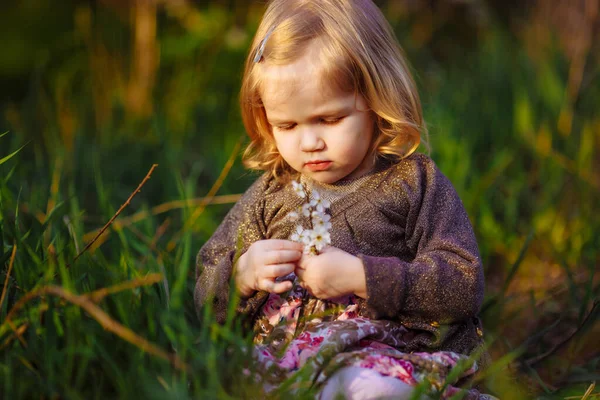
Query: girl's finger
point(281, 256)
point(280, 287)
point(266, 284)
point(276, 270)
point(274, 287)
point(281, 244)
point(302, 263)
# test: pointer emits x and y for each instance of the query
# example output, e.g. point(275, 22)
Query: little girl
point(387, 295)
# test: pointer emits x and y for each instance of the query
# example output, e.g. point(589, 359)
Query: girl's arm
point(444, 282)
point(214, 264)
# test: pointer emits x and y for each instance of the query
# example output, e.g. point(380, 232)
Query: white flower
point(297, 236)
point(306, 209)
point(299, 189)
point(318, 202)
point(319, 239)
point(320, 220)
point(315, 197)
point(309, 249)
point(301, 235)
point(320, 215)
point(293, 215)
point(305, 237)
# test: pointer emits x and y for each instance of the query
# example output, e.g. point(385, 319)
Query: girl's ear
point(365, 106)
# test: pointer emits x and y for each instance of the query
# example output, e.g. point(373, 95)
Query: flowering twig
point(317, 236)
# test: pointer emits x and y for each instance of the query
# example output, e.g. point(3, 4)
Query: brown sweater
point(408, 226)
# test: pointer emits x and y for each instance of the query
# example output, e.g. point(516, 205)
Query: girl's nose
point(311, 140)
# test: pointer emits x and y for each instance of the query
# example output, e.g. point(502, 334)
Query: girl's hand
point(264, 262)
point(331, 274)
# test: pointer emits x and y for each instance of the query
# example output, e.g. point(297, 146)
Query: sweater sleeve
point(241, 227)
point(444, 282)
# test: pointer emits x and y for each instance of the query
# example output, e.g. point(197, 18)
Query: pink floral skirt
point(299, 338)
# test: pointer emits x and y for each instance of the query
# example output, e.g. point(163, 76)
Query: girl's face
point(324, 134)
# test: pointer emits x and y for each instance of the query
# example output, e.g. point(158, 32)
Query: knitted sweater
point(404, 221)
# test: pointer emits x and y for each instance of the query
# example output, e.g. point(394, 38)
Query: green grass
point(75, 151)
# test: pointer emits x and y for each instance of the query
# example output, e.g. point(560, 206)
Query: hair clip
point(261, 47)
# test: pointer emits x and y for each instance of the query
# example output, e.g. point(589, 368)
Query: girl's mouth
point(315, 166)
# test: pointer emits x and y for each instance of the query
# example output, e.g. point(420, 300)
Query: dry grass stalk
point(105, 227)
point(10, 265)
point(143, 214)
point(534, 360)
point(97, 295)
point(587, 395)
point(103, 319)
point(162, 229)
point(18, 333)
point(211, 194)
point(163, 208)
point(589, 391)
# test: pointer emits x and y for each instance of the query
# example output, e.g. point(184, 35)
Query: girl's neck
point(339, 189)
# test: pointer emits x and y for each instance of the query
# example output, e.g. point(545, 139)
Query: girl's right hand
point(264, 262)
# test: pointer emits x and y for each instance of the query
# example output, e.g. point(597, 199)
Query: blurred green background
point(99, 91)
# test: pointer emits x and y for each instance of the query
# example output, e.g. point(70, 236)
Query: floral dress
point(301, 338)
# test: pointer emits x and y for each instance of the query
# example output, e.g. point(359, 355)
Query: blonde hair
point(360, 53)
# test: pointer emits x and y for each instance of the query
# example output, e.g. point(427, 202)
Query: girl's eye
point(286, 127)
point(332, 121)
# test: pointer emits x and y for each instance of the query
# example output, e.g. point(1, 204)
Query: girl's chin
point(325, 177)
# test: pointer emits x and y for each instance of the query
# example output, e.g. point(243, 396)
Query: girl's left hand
point(333, 273)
